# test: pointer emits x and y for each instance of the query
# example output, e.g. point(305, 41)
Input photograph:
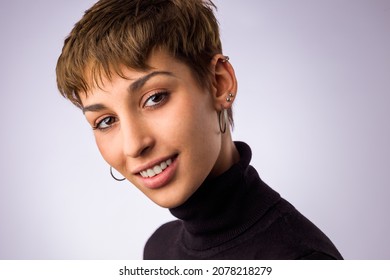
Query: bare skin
point(160, 129)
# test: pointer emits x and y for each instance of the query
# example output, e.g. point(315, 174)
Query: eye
point(105, 123)
point(156, 99)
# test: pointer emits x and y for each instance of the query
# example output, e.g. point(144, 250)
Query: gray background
point(313, 103)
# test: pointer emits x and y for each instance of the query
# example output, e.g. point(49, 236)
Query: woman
point(155, 87)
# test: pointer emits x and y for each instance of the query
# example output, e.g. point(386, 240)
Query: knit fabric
point(238, 216)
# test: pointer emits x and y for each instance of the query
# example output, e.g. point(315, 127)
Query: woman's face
point(158, 128)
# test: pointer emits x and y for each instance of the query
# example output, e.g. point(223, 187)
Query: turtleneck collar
point(225, 206)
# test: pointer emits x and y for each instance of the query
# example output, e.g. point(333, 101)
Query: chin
point(167, 201)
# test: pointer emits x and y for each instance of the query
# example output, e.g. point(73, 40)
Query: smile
point(157, 169)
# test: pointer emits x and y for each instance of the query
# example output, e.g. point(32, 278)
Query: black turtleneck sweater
point(237, 216)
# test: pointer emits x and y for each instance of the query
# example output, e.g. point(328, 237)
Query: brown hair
point(115, 33)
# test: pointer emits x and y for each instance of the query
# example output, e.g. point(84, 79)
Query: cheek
point(110, 152)
point(204, 121)
point(190, 120)
point(197, 128)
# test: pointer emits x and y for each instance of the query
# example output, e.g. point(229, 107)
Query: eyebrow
point(135, 86)
point(94, 108)
point(139, 83)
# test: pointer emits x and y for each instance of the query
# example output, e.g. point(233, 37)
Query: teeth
point(151, 173)
point(157, 169)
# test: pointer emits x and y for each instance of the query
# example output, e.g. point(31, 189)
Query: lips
point(159, 174)
point(157, 169)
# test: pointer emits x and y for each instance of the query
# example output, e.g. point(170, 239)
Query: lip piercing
point(230, 97)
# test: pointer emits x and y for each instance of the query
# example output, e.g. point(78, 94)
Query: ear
point(224, 82)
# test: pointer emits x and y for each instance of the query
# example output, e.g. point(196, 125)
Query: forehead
point(96, 72)
point(160, 63)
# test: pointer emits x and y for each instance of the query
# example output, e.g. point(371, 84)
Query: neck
point(225, 206)
point(227, 156)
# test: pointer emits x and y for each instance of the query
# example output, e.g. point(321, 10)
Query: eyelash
point(97, 126)
point(162, 94)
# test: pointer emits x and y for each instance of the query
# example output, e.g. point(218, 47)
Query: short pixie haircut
point(117, 33)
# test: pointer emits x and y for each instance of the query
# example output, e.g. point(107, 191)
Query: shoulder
point(162, 241)
point(294, 236)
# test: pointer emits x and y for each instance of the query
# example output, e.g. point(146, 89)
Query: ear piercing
point(223, 120)
point(225, 59)
point(230, 97)
point(117, 179)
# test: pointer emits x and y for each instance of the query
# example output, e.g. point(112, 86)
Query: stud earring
point(225, 59)
point(230, 97)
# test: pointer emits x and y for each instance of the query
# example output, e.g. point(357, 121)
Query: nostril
point(135, 142)
point(146, 147)
point(145, 150)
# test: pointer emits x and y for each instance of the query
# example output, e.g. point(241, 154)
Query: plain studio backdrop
point(313, 103)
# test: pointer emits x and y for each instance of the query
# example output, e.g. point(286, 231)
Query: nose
point(137, 138)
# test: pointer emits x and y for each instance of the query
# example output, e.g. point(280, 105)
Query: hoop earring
point(112, 175)
point(223, 119)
